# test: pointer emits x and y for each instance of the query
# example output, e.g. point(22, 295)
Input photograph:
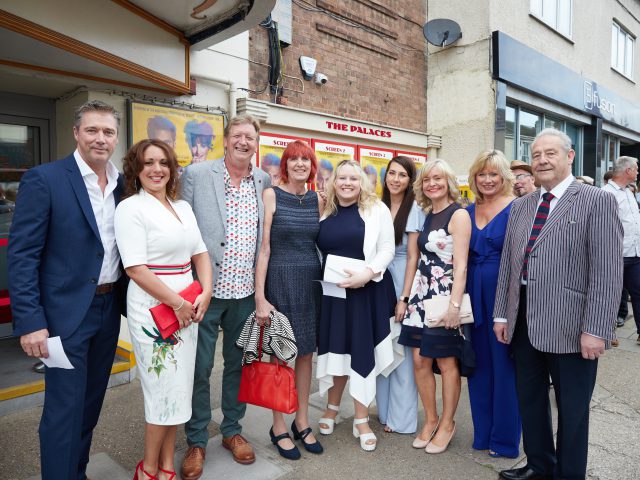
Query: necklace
point(300, 197)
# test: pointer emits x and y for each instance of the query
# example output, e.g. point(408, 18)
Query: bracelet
point(181, 305)
point(404, 299)
point(454, 304)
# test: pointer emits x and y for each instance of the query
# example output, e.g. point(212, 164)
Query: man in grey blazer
point(558, 293)
point(226, 197)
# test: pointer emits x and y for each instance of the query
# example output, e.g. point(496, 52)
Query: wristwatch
point(404, 299)
point(455, 305)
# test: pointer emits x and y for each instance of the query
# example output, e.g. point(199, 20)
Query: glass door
point(24, 143)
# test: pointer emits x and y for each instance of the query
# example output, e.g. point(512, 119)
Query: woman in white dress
point(159, 240)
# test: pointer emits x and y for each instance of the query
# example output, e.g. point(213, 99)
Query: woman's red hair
point(296, 149)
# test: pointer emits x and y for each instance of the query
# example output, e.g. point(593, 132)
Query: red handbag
point(268, 385)
point(165, 316)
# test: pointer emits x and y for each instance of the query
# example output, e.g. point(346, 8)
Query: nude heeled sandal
point(420, 443)
point(330, 422)
point(364, 437)
point(433, 448)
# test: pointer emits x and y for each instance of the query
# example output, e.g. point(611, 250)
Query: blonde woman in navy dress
point(443, 246)
point(159, 240)
point(286, 273)
point(355, 332)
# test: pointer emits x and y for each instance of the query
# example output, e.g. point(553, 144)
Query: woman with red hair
point(287, 267)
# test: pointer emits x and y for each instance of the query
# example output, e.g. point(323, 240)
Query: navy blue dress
point(294, 265)
point(492, 389)
point(354, 333)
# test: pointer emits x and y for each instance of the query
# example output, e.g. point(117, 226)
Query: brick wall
point(377, 73)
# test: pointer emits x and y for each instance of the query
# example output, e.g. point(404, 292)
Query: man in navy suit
point(65, 280)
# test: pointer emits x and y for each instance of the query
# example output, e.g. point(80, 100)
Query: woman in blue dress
point(492, 389)
point(443, 247)
point(397, 395)
point(354, 340)
point(286, 273)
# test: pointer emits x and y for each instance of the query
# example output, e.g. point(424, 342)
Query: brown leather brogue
point(193, 463)
point(241, 449)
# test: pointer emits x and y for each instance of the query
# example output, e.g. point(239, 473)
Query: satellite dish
point(442, 32)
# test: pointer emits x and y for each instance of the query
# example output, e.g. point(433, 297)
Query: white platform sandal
point(329, 422)
point(364, 437)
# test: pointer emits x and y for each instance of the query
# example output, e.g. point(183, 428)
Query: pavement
point(118, 438)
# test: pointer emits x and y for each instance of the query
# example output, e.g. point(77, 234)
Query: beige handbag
point(435, 308)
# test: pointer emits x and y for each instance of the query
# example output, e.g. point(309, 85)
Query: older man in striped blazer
point(556, 303)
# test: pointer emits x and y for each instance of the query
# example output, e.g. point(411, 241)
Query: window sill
point(557, 32)
point(629, 79)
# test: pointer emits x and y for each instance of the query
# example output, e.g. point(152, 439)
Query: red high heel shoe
point(140, 467)
point(168, 472)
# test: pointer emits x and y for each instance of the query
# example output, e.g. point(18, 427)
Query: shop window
point(575, 134)
point(510, 133)
point(523, 125)
point(21, 147)
point(610, 151)
point(622, 43)
point(555, 13)
point(19, 151)
point(530, 125)
point(553, 122)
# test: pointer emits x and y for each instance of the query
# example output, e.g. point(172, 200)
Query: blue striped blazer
point(574, 271)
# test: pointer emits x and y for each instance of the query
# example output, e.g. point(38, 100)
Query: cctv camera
point(321, 79)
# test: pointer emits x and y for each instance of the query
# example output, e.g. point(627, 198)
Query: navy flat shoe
point(293, 454)
point(315, 447)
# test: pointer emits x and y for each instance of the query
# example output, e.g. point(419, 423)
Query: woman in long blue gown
point(397, 394)
point(492, 391)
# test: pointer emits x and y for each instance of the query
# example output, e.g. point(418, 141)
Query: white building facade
point(524, 65)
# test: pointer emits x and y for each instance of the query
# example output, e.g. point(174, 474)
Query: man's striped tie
point(538, 223)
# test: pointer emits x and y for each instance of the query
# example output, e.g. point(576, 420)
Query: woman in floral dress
point(443, 246)
point(158, 239)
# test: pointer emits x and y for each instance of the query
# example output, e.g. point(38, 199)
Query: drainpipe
point(233, 92)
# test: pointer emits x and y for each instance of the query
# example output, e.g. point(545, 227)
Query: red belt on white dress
point(170, 269)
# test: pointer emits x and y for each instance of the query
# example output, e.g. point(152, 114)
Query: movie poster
point(374, 162)
point(329, 154)
point(271, 147)
point(466, 195)
point(419, 159)
point(195, 136)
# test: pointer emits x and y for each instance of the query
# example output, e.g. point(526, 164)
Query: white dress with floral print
point(149, 234)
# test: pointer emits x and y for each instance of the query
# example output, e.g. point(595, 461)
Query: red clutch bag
point(268, 385)
point(165, 317)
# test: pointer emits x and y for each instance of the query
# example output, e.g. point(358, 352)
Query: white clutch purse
point(435, 308)
point(335, 265)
